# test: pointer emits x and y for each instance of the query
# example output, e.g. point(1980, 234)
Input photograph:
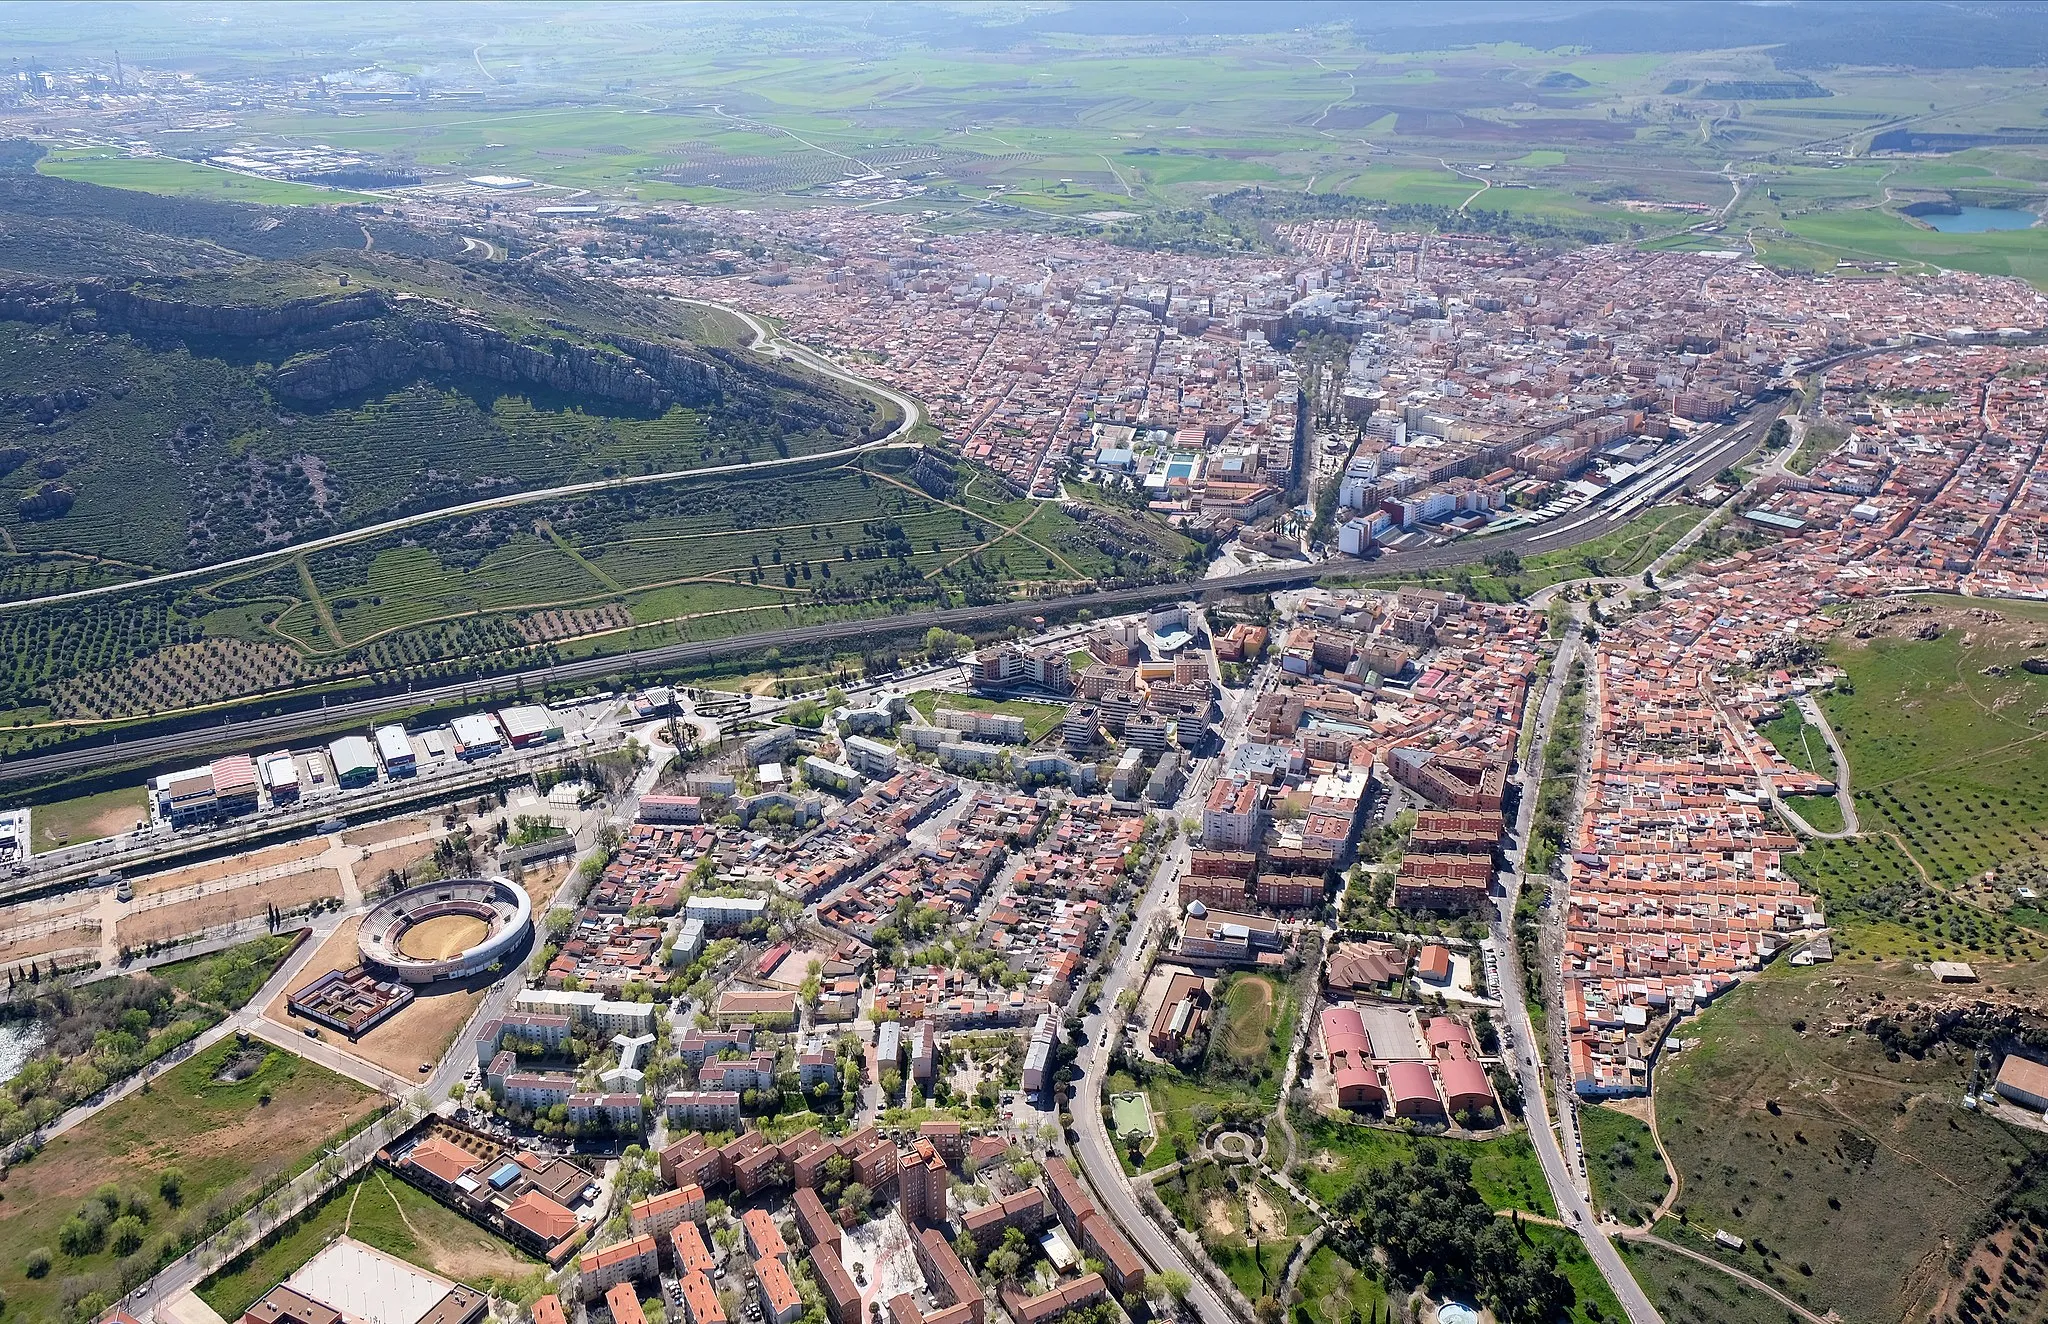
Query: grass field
point(1594, 1301)
point(1949, 766)
point(226, 1139)
point(1802, 746)
point(381, 1211)
point(1338, 1155)
point(87, 818)
point(1628, 1177)
point(1682, 1289)
point(188, 179)
point(1808, 1142)
point(1823, 813)
point(1040, 719)
point(1332, 1288)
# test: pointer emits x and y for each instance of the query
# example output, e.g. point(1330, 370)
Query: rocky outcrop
point(48, 501)
point(421, 347)
point(123, 309)
point(333, 346)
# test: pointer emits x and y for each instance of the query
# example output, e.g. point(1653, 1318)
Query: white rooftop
point(368, 1285)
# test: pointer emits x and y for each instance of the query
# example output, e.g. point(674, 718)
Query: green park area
point(228, 979)
point(1622, 1162)
point(382, 1211)
point(1337, 1155)
point(101, 1206)
point(1040, 719)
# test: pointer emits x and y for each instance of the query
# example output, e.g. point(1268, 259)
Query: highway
point(765, 343)
point(1723, 447)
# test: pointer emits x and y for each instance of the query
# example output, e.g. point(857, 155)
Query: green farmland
point(609, 572)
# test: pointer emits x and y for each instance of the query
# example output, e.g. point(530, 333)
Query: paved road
point(1098, 1160)
point(1843, 797)
point(1562, 1178)
point(194, 742)
point(765, 343)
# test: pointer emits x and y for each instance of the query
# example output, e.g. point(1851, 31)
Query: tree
point(1174, 1285)
point(126, 1234)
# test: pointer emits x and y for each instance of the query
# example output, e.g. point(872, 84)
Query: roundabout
point(446, 930)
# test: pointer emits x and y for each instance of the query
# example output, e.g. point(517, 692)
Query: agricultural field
point(104, 1203)
point(188, 179)
point(604, 573)
point(1950, 777)
point(1809, 1106)
point(382, 1211)
point(1628, 1176)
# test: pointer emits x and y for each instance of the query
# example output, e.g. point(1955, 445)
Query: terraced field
point(608, 572)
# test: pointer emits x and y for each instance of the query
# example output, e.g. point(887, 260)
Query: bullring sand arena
point(443, 936)
point(446, 930)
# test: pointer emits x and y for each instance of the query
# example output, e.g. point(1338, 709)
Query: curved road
point(765, 343)
point(1850, 827)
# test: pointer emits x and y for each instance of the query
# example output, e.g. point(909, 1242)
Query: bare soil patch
point(376, 834)
point(419, 1033)
point(1639, 1108)
point(542, 882)
point(442, 936)
point(1216, 1217)
point(392, 859)
point(179, 918)
point(68, 939)
point(215, 870)
point(1262, 1221)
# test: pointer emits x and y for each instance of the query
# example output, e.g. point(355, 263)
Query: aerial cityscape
point(1116, 663)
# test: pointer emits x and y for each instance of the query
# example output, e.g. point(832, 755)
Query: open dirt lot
point(370, 870)
point(176, 919)
point(376, 834)
point(227, 867)
point(790, 972)
point(420, 1033)
point(442, 936)
point(40, 941)
point(541, 884)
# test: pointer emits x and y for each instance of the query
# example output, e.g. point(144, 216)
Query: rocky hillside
point(182, 381)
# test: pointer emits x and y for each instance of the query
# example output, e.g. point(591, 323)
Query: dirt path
point(1746, 1280)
